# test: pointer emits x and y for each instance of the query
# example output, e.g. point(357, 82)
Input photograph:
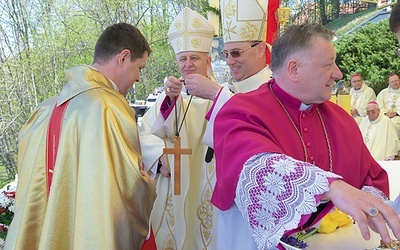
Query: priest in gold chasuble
point(98, 198)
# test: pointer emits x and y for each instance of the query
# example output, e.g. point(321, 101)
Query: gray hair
point(296, 38)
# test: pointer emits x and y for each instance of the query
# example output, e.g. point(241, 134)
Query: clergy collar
point(289, 100)
point(394, 90)
point(304, 107)
point(361, 89)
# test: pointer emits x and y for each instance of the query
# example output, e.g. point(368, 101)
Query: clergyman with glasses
point(379, 134)
point(245, 49)
point(389, 101)
point(361, 95)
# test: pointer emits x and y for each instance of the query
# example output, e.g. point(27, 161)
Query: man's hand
point(172, 87)
point(145, 175)
point(358, 204)
point(200, 86)
point(390, 114)
point(164, 169)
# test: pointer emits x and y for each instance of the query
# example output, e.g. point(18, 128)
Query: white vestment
point(359, 100)
point(380, 137)
point(389, 101)
point(226, 93)
point(188, 220)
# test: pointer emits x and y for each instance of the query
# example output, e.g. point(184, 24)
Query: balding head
point(372, 111)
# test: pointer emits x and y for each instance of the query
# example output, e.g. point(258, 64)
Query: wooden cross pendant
point(177, 151)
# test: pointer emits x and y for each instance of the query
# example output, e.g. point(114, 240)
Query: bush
point(369, 51)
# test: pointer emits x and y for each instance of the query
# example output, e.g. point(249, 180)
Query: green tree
point(39, 39)
point(369, 51)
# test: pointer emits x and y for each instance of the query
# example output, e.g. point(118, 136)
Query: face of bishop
point(394, 82)
point(372, 112)
point(356, 82)
point(190, 62)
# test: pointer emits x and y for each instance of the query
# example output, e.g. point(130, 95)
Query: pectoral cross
point(177, 151)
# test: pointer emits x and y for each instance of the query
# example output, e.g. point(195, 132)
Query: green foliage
point(369, 51)
point(42, 38)
point(162, 55)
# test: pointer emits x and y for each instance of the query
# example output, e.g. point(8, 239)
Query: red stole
point(150, 243)
point(53, 137)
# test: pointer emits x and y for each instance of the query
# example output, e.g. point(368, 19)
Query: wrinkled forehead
point(393, 78)
point(187, 54)
point(356, 78)
point(371, 107)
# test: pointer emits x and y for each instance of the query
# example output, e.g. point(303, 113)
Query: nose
point(189, 62)
point(230, 60)
point(336, 73)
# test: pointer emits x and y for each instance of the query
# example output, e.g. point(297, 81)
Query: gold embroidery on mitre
point(196, 42)
point(244, 20)
point(178, 24)
point(186, 25)
point(228, 30)
point(230, 10)
point(178, 44)
point(196, 23)
point(249, 32)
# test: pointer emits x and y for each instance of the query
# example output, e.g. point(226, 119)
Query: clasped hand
point(172, 87)
point(196, 84)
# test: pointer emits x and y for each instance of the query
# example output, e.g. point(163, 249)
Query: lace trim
point(274, 191)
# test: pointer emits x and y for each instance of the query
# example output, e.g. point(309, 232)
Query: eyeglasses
point(397, 51)
point(236, 52)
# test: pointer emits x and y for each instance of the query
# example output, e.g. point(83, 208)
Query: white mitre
point(190, 31)
point(244, 20)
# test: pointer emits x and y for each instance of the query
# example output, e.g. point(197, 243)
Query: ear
point(208, 60)
point(261, 50)
point(123, 57)
point(293, 70)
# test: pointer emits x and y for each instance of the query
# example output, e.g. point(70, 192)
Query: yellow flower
point(334, 220)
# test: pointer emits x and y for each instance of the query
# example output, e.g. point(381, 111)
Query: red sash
point(53, 137)
point(150, 243)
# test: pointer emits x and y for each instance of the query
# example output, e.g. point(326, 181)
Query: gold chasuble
point(98, 197)
point(187, 220)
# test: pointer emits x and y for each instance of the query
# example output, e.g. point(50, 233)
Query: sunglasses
point(236, 52)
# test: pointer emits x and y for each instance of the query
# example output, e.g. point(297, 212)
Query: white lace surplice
point(274, 191)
